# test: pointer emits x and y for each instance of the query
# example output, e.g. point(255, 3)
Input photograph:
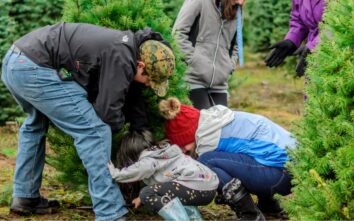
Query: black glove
point(301, 64)
point(282, 49)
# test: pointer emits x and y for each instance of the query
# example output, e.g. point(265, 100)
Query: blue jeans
point(260, 180)
point(41, 94)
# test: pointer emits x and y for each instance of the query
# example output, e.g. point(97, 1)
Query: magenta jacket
point(305, 18)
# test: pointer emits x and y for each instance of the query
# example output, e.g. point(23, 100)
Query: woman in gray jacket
point(205, 31)
point(176, 182)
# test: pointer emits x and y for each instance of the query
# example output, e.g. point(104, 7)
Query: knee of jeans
point(105, 131)
point(206, 158)
point(99, 146)
point(283, 187)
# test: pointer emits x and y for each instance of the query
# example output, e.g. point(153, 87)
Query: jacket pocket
point(201, 66)
point(224, 68)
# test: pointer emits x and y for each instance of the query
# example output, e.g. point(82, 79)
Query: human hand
point(110, 167)
point(301, 64)
point(240, 2)
point(237, 2)
point(281, 50)
point(136, 202)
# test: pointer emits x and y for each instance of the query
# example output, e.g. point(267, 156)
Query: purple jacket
point(305, 18)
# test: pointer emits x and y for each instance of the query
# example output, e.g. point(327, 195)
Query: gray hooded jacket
point(165, 165)
point(209, 61)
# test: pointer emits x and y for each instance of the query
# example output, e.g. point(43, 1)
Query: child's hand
point(111, 167)
point(136, 202)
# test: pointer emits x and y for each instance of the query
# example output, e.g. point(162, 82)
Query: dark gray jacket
point(210, 64)
point(102, 60)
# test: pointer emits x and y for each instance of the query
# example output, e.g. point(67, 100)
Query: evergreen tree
point(8, 106)
point(123, 15)
point(171, 8)
point(322, 166)
point(281, 16)
point(258, 24)
point(266, 22)
point(18, 17)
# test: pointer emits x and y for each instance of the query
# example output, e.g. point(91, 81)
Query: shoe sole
point(30, 211)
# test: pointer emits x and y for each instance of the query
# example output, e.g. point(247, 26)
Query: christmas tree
point(323, 165)
point(123, 15)
point(17, 18)
point(266, 21)
point(171, 8)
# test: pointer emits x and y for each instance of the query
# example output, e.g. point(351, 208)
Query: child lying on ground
point(175, 180)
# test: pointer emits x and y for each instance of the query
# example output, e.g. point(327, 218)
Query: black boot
point(219, 199)
point(240, 201)
point(27, 206)
point(270, 208)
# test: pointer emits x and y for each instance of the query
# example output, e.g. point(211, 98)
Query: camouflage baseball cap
point(159, 64)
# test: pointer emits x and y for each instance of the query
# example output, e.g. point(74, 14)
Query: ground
point(254, 88)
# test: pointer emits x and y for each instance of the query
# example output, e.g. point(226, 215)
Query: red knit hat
point(182, 121)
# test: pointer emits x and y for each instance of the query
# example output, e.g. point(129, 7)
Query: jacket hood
point(166, 152)
point(148, 34)
point(210, 123)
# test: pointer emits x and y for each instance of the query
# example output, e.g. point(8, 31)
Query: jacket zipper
point(216, 51)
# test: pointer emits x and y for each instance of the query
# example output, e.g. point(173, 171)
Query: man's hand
point(281, 50)
point(136, 202)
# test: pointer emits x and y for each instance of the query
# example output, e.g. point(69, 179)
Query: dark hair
point(228, 10)
point(131, 146)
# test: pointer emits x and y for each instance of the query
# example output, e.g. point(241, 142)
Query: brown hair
point(228, 10)
point(133, 144)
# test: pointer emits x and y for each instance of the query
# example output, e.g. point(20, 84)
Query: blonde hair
point(169, 108)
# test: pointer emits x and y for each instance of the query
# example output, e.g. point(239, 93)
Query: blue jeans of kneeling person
point(261, 180)
point(44, 96)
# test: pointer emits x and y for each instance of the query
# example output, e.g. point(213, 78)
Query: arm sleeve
point(182, 27)
point(234, 52)
point(311, 44)
point(140, 170)
point(135, 107)
point(298, 31)
point(116, 74)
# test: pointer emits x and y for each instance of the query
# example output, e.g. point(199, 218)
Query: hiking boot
point(271, 209)
point(240, 201)
point(27, 206)
point(219, 199)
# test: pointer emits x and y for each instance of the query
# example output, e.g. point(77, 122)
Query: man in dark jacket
point(80, 77)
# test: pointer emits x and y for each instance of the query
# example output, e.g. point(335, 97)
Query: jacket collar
point(211, 122)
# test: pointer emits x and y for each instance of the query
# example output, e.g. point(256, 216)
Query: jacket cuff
point(295, 38)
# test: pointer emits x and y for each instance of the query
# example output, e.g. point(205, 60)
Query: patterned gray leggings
point(156, 196)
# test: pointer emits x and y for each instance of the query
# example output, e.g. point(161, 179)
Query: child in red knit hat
point(234, 144)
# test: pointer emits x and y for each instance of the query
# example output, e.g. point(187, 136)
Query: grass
point(270, 92)
point(254, 88)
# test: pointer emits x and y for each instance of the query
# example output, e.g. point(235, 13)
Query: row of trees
point(322, 165)
point(17, 17)
point(265, 22)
